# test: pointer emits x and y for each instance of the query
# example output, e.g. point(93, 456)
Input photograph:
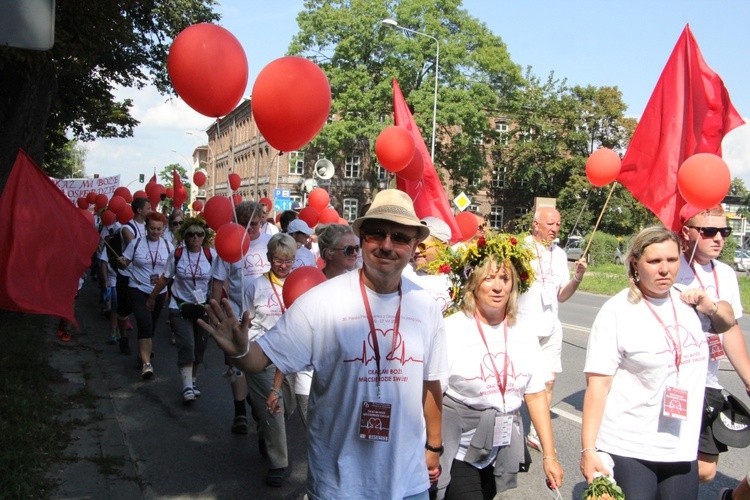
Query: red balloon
point(197, 205)
point(343, 221)
point(704, 180)
point(82, 203)
point(291, 102)
point(236, 199)
point(124, 193)
point(394, 148)
point(217, 56)
point(234, 181)
point(170, 192)
point(231, 242)
point(310, 216)
point(100, 201)
point(108, 217)
point(89, 217)
point(149, 188)
point(125, 215)
point(267, 202)
point(91, 197)
point(468, 225)
point(415, 168)
point(300, 281)
point(218, 211)
point(602, 167)
point(116, 204)
point(328, 216)
point(199, 178)
point(157, 190)
point(318, 199)
point(140, 194)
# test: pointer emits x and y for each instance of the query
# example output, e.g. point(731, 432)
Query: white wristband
point(244, 353)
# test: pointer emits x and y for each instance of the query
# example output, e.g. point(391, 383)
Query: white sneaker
point(147, 371)
point(532, 441)
point(196, 391)
point(188, 395)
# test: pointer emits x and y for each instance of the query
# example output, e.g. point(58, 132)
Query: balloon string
point(695, 247)
point(614, 184)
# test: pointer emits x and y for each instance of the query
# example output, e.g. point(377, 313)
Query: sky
point(588, 42)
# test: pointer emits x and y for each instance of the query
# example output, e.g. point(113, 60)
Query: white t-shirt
point(726, 289)
point(192, 272)
point(303, 258)
point(628, 342)
point(438, 285)
point(265, 302)
point(151, 258)
point(327, 329)
point(111, 274)
point(268, 228)
point(239, 275)
point(538, 306)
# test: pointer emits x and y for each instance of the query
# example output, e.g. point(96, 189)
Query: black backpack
point(115, 244)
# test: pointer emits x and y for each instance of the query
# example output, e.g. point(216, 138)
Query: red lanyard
point(716, 279)
point(373, 333)
point(675, 343)
point(154, 255)
point(504, 384)
point(194, 270)
point(276, 292)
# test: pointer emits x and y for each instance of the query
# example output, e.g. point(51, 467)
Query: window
point(297, 198)
point(502, 129)
point(382, 173)
point(474, 182)
point(478, 139)
point(352, 167)
point(351, 209)
point(498, 178)
point(521, 211)
point(496, 217)
point(296, 163)
point(473, 208)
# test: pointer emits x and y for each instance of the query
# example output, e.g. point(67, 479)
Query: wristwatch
point(434, 449)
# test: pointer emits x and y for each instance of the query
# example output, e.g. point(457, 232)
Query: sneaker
point(147, 371)
point(196, 391)
point(239, 425)
point(532, 441)
point(114, 337)
point(275, 478)
point(725, 494)
point(65, 337)
point(125, 346)
point(188, 396)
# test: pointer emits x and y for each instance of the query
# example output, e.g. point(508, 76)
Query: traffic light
point(141, 178)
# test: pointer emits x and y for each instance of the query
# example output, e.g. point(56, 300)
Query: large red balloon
point(208, 69)
point(291, 102)
point(199, 178)
point(218, 211)
point(108, 218)
point(100, 201)
point(704, 180)
point(310, 216)
point(170, 192)
point(82, 203)
point(468, 225)
point(318, 199)
point(602, 167)
point(300, 281)
point(234, 181)
point(231, 242)
point(328, 216)
point(415, 168)
point(149, 187)
point(267, 202)
point(236, 199)
point(91, 197)
point(125, 215)
point(123, 192)
point(117, 203)
point(140, 194)
point(197, 205)
point(394, 148)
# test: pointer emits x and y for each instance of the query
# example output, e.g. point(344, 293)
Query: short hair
point(247, 211)
point(176, 213)
point(715, 211)
point(468, 304)
point(138, 204)
point(329, 235)
point(285, 218)
point(156, 217)
point(637, 245)
point(282, 243)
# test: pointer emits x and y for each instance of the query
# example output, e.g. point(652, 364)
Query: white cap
point(438, 229)
point(298, 226)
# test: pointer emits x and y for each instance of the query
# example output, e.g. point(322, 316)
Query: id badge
point(154, 279)
point(374, 421)
point(199, 297)
point(675, 403)
point(503, 430)
point(715, 348)
point(546, 297)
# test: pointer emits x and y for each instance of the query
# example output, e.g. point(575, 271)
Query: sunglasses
point(176, 222)
point(422, 247)
point(710, 232)
point(191, 234)
point(378, 236)
point(349, 250)
point(281, 262)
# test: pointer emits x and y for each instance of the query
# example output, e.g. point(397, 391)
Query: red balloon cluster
point(232, 241)
point(218, 211)
point(208, 69)
point(704, 180)
point(124, 193)
point(602, 167)
point(394, 148)
point(468, 225)
point(310, 216)
point(300, 281)
point(318, 199)
point(199, 178)
point(291, 102)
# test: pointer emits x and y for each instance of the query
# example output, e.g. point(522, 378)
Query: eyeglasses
point(422, 247)
point(378, 236)
point(710, 232)
point(349, 250)
point(281, 262)
point(177, 222)
point(191, 234)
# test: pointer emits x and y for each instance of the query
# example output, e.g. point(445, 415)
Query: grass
point(744, 280)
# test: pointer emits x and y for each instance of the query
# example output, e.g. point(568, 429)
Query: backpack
point(178, 255)
point(115, 245)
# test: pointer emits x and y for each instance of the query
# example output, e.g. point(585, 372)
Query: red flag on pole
point(46, 244)
point(180, 193)
point(427, 193)
point(689, 112)
point(153, 178)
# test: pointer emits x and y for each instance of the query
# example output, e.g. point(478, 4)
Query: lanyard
point(153, 255)
point(716, 279)
point(194, 270)
point(373, 333)
point(504, 384)
point(272, 277)
point(539, 258)
point(675, 343)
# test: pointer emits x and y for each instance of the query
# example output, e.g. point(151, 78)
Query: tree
point(67, 91)
point(167, 177)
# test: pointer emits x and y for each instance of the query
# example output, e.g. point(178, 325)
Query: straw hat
point(394, 206)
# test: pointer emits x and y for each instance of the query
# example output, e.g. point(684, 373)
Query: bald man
point(552, 285)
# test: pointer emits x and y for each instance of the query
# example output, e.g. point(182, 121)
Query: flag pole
point(599, 220)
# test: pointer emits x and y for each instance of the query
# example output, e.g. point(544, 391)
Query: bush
point(603, 248)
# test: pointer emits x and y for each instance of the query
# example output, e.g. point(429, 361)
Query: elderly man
point(552, 286)
point(704, 234)
point(377, 345)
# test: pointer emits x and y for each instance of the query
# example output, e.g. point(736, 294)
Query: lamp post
point(213, 163)
point(392, 23)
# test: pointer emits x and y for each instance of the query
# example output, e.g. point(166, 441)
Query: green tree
point(49, 96)
point(167, 177)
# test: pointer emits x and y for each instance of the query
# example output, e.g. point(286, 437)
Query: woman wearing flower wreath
point(495, 365)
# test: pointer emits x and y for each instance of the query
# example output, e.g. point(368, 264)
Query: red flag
point(46, 244)
point(427, 194)
point(153, 178)
point(689, 112)
point(180, 193)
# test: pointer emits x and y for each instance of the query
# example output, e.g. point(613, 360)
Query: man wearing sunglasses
point(377, 345)
point(418, 271)
point(704, 233)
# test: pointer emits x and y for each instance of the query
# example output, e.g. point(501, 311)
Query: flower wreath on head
point(458, 263)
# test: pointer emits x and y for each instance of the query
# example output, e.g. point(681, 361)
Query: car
point(741, 260)
point(575, 247)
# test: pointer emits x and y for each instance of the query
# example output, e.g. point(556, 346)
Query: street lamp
point(213, 163)
point(393, 24)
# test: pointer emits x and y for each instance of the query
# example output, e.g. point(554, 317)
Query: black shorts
point(707, 443)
